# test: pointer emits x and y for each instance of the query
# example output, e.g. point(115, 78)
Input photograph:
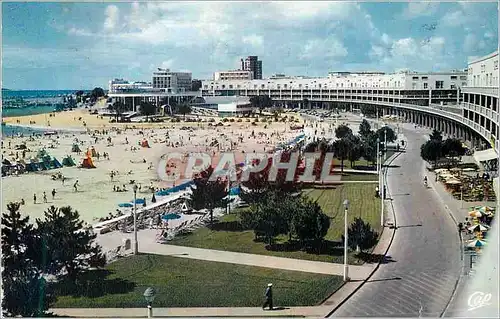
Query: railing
point(481, 90)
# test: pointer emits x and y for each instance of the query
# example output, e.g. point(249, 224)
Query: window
point(230, 86)
point(463, 77)
point(300, 85)
point(439, 84)
point(424, 78)
point(415, 78)
point(453, 87)
point(284, 85)
point(425, 85)
point(319, 85)
point(495, 65)
point(223, 86)
point(453, 77)
point(262, 86)
point(414, 86)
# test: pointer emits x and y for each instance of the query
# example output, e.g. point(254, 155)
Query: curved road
point(423, 261)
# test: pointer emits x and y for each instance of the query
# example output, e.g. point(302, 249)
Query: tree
point(436, 136)
point(16, 236)
point(147, 109)
point(96, 93)
point(361, 235)
point(355, 150)
point(195, 85)
point(309, 222)
point(70, 247)
point(364, 129)
point(207, 194)
point(342, 131)
point(369, 148)
point(184, 109)
point(26, 294)
point(369, 110)
point(391, 135)
point(269, 218)
point(261, 102)
point(305, 103)
point(119, 108)
point(453, 147)
point(431, 151)
point(341, 150)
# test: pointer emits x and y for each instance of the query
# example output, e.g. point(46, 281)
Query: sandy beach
point(95, 196)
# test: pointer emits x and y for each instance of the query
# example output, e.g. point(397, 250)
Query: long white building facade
point(443, 100)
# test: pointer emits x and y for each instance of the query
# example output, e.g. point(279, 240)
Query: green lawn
point(227, 235)
point(182, 282)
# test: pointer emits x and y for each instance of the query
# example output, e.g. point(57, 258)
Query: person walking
point(34, 198)
point(53, 193)
point(75, 186)
point(269, 297)
point(44, 197)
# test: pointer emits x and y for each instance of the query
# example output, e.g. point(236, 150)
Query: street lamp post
point(382, 192)
point(136, 245)
point(346, 266)
point(150, 295)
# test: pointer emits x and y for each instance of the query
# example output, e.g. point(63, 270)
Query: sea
point(38, 96)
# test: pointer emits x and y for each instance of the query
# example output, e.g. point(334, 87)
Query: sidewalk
point(250, 312)
point(356, 272)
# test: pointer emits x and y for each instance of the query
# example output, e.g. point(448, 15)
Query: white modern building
point(172, 82)
point(226, 105)
point(117, 85)
point(233, 75)
point(480, 102)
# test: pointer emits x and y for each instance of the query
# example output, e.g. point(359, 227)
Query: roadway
point(423, 263)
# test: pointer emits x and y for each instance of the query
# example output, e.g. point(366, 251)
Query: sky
point(84, 45)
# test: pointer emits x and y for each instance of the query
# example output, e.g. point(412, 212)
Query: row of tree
point(436, 148)
point(349, 146)
point(57, 246)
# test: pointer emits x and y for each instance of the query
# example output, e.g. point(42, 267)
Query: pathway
point(356, 272)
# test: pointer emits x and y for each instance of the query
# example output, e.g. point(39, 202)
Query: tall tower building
point(253, 64)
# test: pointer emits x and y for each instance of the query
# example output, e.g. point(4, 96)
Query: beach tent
point(75, 148)
point(42, 153)
point(87, 162)
point(68, 161)
point(145, 143)
point(56, 163)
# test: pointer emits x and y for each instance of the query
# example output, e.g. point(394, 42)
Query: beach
point(95, 196)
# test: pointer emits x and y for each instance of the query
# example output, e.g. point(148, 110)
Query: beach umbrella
point(485, 209)
point(476, 243)
point(125, 205)
point(171, 216)
point(162, 193)
point(139, 201)
point(475, 213)
point(478, 228)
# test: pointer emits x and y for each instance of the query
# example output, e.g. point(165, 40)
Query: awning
point(486, 155)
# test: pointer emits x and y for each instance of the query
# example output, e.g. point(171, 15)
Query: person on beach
point(53, 193)
point(75, 186)
point(44, 197)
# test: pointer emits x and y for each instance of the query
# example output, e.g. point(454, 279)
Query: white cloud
point(417, 9)
point(167, 64)
point(489, 35)
point(454, 19)
point(410, 53)
point(328, 48)
point(253, 40)
point(112, 16)
point(470, 42)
